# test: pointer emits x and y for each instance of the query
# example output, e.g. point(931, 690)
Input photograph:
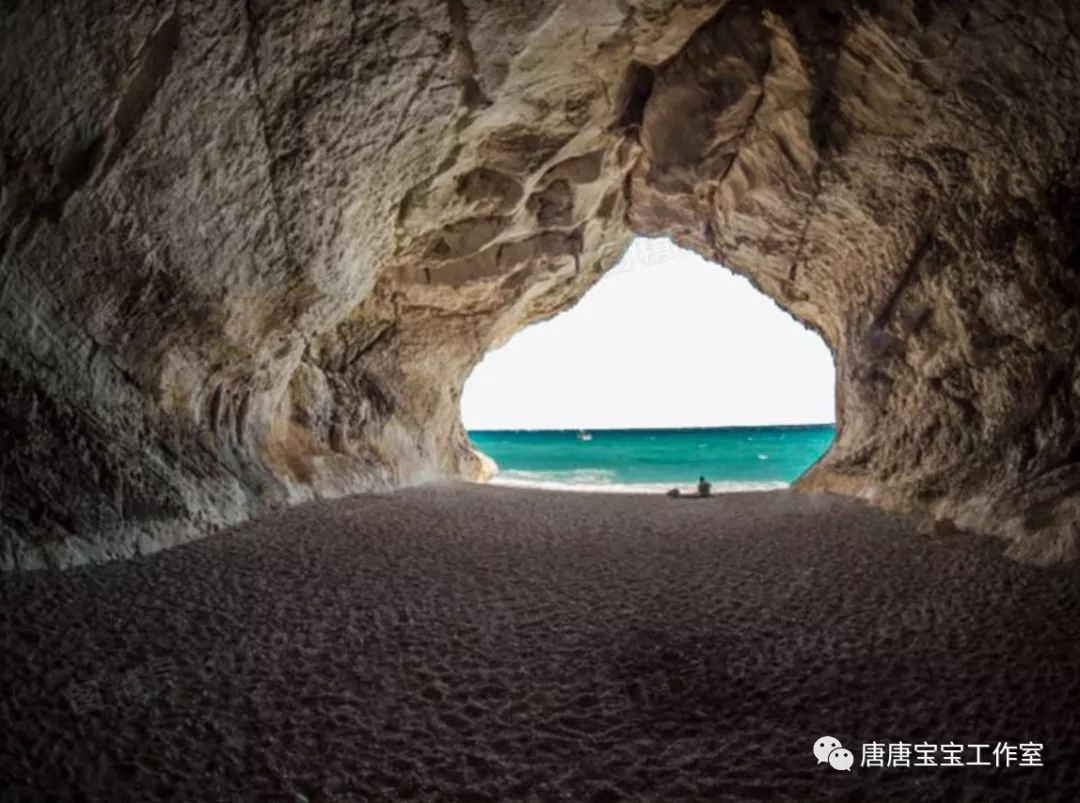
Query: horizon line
point(647, 428)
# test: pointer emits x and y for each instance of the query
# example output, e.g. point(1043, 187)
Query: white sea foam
point(595, 481)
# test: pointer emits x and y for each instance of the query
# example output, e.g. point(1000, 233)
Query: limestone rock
point(249, 252)
point(486, 468)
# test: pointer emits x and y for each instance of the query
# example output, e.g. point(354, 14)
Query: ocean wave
point(597, 481)
point(577, 476)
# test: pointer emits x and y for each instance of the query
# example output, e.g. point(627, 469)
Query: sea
point(651, 460)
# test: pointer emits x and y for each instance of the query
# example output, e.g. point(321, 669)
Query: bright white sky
point(665, 339)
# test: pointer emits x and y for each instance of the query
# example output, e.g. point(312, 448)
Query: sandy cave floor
point(468, 643)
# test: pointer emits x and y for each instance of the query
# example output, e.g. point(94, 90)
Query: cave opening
point(669, 368)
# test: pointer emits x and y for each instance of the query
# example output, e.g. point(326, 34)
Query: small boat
point(583, 435)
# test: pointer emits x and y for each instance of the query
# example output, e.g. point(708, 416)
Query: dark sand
point(483, 644)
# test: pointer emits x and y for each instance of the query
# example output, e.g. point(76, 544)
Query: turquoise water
point(732, 458)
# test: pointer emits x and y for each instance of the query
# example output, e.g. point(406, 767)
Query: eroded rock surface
point(249, 252)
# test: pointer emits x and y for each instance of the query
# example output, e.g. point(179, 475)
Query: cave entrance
point(669, 367)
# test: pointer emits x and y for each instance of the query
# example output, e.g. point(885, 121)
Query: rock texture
point(250, 251)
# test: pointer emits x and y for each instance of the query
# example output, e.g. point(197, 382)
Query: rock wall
point(903, 178)
point(249, 252)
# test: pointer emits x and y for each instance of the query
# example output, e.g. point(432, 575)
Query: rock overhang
point(251, 253)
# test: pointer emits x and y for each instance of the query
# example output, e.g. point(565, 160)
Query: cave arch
point(250, 253)
point(664, 340)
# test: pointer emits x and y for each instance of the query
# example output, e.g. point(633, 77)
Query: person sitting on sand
point(704, 488)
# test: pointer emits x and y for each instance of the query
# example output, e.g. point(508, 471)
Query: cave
point(251, 252)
